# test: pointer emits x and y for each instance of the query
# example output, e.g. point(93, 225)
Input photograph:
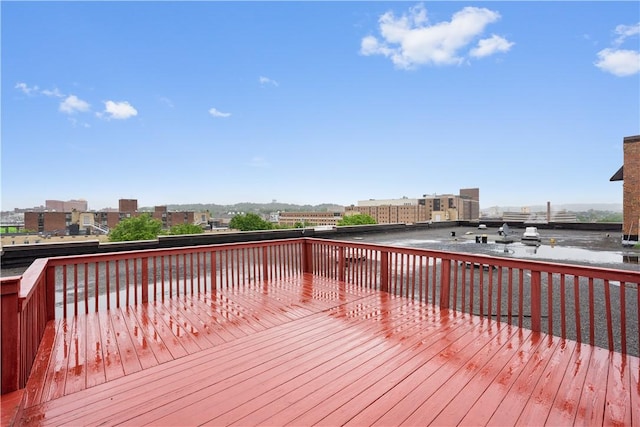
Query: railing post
point(10, 334)
point(384, 271)
point(145, 280)
point(445, 283)
point(536, 300)
point(51, 292)
point(307, 259)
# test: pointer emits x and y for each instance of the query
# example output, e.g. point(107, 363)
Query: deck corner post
point(145, 280)
point(51, 292)
point(307, 260)
point(10, 335)
point(445, 283)
point(536, 300)
point(384, 271)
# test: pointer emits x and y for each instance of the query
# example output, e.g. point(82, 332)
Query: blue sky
point(316, 102)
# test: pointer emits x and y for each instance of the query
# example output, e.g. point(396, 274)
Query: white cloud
point(72, 104)
point(166, 101)
point(619, 62)
point(53, 92)
point(26, 89)
point(410, 40)
point(216, 113)
point(118, 110)
point(490, 46)
point(625, 31)
point(267, 81)
point(76, 123)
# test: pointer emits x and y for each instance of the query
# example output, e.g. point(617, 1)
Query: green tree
point(142, 227)
point(357, 219)
point(185, 229)
point(249, 222)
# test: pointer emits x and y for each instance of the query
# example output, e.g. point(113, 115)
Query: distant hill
point(570, 207)
point(222, 211)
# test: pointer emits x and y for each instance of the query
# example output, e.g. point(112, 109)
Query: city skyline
point(321, 102)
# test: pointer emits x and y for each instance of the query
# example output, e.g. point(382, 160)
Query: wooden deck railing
point(593, 305)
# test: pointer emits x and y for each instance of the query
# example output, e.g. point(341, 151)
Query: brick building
point(84, 222)
point(629, 173)
point(50, 222)
point(68, 206)
point(129, 206)
point(446, 207)
point(171, 218)
point(308, 218)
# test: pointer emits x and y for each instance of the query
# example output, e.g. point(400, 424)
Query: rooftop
point(306, 331)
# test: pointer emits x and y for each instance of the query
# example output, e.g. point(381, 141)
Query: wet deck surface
point(311, 351)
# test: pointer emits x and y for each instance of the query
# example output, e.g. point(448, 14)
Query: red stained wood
point(37, 379)
point(111, 356)
point(306, 350)
point(76, 357)
point(94, 352)
point(10, 407)
point(592, 401)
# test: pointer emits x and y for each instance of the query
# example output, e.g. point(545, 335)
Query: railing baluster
point(86, 287)
point(592, 325)
point(520, 297)
point(607, 302)
point(510, 294)
point(434, 283)
point(490, 293)
point(481, 288)
point(549, 303)
point(463, 286)
point(499, 298)
point(576, 295)
point(623, 316)
point(135, 281)
point(75, 289)
point(126, 266)
point(563, 305)
point(472, 284)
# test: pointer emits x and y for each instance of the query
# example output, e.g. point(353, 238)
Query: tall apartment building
point(629, 173)
point(447, 207)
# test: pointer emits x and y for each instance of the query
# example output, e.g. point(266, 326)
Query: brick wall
point(631, 186)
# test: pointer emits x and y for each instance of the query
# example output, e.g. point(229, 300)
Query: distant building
point(525, 215)
point(629, 173)
point(171, 218)
point(129, 206)
point(50, 222)
point(68, 206)
point(447, 207)
point(308, 218)
point(84, 222)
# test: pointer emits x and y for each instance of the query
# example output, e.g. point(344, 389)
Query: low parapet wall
point(24, 255)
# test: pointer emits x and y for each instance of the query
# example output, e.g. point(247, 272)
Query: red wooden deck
point(309, 351)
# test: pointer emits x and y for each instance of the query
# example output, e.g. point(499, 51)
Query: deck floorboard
point(311, 351)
